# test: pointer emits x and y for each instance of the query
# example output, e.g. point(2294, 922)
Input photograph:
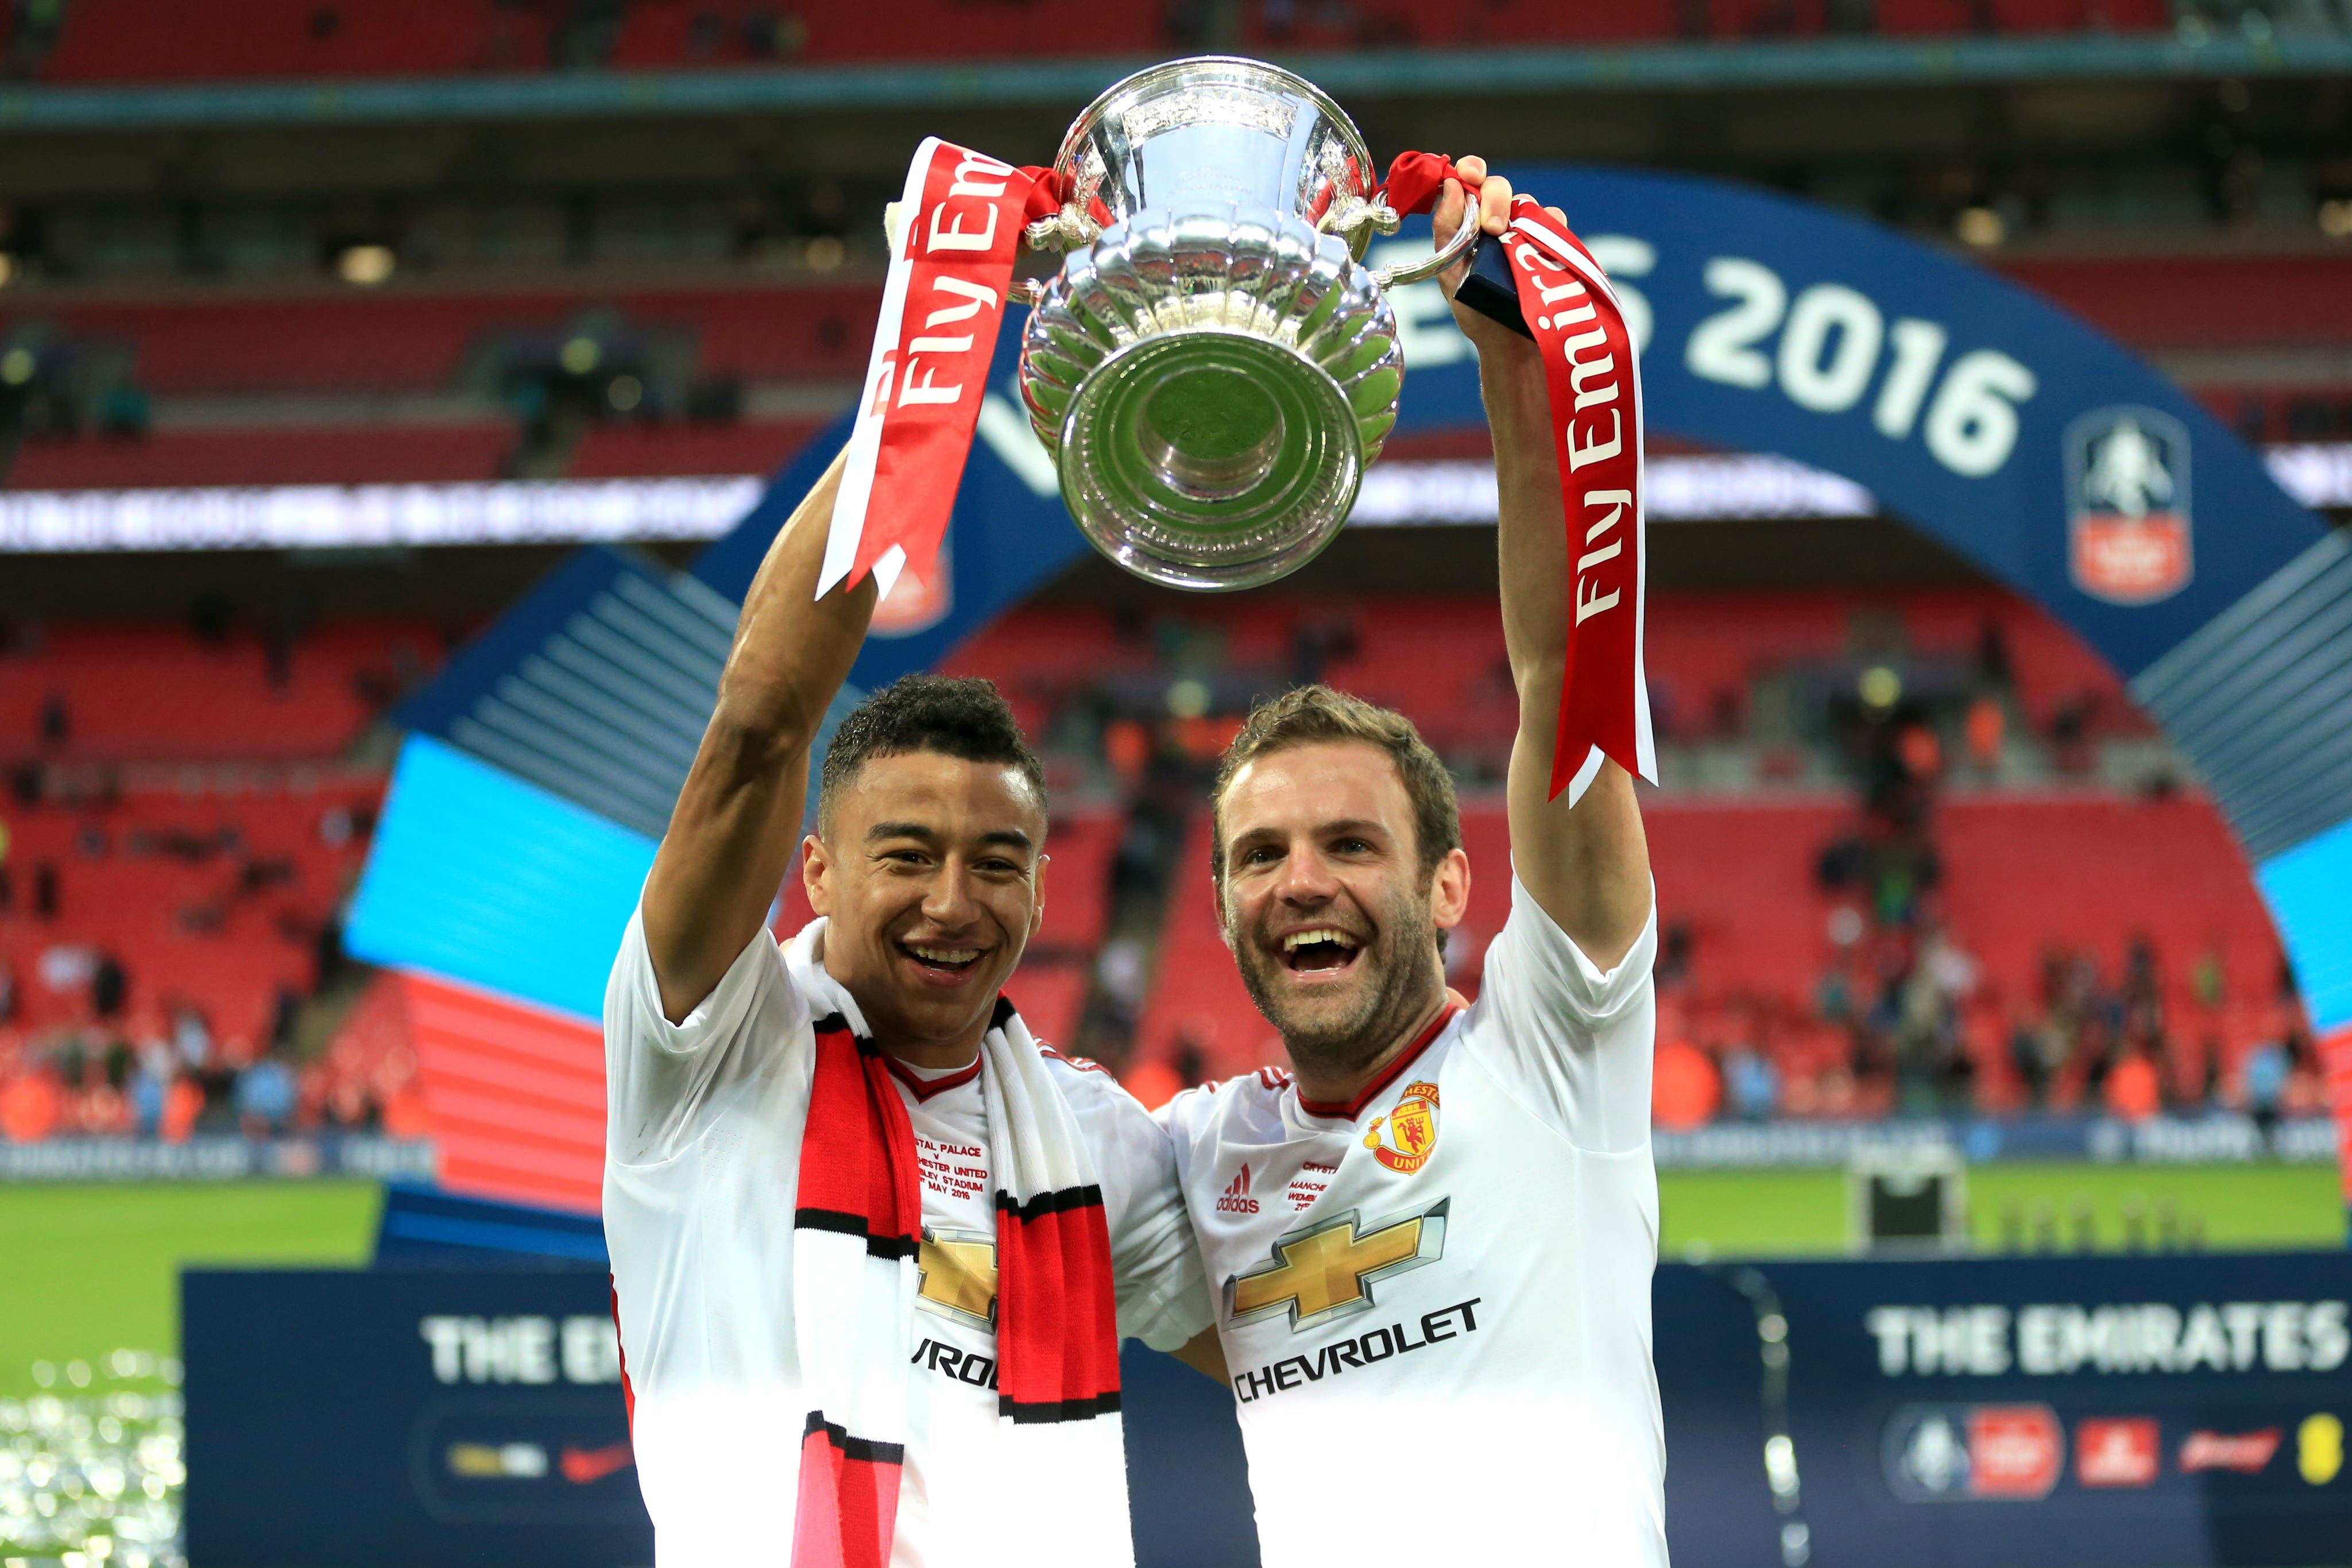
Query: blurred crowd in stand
point(178, 831)
point(1903, 1019)
point(170, 961)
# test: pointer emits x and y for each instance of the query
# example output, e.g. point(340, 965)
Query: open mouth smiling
point(1319, 949)
point(941, 961)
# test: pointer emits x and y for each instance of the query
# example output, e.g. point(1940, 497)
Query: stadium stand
point(154, 40)
point(407, 339)
point(270, 455)
point(416, 339)
point(646, 450)
point(114, 693)
point(2027, 882)
point(214, 902)
point(1441, 659)
point(163, 392)
point(177, 793)
point(175, 843)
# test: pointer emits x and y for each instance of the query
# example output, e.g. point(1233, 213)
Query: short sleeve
point(1156, 1272)
point(659, 1076)
point(1571, 1042)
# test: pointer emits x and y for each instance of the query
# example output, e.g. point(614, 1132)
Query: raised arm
point(732, 832)
point(1589, 866)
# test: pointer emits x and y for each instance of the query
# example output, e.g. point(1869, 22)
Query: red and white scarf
point(858, 1226)
point(961, 219)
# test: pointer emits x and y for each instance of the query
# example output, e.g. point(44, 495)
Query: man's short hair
point(1311, 716)
point(961, 716)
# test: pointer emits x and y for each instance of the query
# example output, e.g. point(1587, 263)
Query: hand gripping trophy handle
point(1430, 265)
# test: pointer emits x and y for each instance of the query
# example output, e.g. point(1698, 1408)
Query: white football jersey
point(702, 1163)
point(1435, 1302)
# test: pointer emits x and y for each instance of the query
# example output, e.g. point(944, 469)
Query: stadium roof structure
point(1353, 74)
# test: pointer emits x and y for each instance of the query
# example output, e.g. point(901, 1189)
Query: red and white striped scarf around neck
point(857, 1228)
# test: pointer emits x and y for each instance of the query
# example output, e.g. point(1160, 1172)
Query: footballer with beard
point(1432, 1238)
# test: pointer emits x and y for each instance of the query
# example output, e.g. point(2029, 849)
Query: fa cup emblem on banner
point(2127, 505)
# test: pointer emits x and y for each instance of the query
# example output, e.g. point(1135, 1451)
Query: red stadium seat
point(362, 455)
point(630, 451)
point(154, 40)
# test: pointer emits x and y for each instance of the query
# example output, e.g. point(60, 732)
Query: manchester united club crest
point(2127, 501)
point(1405, 1138)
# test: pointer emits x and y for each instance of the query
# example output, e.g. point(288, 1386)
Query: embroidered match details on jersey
point(702, 1160)
point(1464, 1254)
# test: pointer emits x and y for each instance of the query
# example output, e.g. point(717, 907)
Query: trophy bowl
point(1214, 367)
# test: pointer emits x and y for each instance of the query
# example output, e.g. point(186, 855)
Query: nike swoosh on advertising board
point(582, 1467)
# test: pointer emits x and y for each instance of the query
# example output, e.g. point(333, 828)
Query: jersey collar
point(923, 1088)
point(1348, 1110)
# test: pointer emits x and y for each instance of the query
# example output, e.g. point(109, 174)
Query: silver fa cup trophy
point(1214, 368)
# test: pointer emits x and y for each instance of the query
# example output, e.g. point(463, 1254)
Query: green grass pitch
point(1796, 1212)
point(85, 1270)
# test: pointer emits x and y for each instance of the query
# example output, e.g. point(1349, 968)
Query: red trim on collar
point(1388, 1074)
point(924, 1088)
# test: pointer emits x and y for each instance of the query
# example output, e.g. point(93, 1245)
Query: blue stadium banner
point(2023, 438)
point(480, 877)
point(2174, 1411)
point(471, 1416)
point(385, 1418)
point(2085, 1412)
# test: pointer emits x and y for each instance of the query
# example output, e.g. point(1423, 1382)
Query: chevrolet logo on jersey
point(1326, 1271)
point(959, 1270)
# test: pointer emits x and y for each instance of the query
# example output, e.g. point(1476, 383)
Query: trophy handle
point(1430, 265)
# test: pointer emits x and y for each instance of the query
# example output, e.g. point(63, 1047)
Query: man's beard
point(1407, 987)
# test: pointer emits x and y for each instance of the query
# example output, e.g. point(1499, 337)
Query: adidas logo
point(1236, 1198)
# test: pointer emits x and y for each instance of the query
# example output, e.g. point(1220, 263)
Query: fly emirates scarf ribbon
point(1594, 382)
point(961, 222)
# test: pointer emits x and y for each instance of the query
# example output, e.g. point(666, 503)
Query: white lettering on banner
point(978, 174)
point(1956, 1340)
point(1835, 341)
point(522, 1349)
point(1830, 351)
point(1590, 603)
point(948, 232)
point(910, 391)
point(2056, 1340)
point(973, 298)
point(592, 1350)
point(1596, 451)
point(1615, 500)
point(1571, 290)
point(976, 298)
